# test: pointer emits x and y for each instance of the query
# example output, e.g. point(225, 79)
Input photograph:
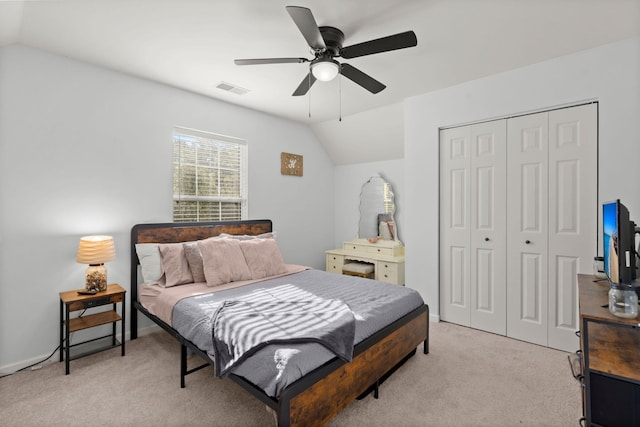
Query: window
point(209, 177)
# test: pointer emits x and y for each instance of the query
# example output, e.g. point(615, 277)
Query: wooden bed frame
point(320, 395)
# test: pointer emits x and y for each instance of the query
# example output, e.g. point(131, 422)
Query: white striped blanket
point(284, 314)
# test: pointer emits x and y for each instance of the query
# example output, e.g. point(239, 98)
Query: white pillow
point(149, 256)
point(268, 235)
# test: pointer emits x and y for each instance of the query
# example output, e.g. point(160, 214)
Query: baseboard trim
point(17, 366)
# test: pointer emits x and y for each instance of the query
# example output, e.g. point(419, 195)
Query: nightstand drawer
point(95, 302)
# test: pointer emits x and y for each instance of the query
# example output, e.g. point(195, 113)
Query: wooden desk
point(611, 359)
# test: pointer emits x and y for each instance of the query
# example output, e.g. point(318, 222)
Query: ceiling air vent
point(232, 88)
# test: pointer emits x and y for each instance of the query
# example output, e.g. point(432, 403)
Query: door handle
point(486, 239)
point(527, 241)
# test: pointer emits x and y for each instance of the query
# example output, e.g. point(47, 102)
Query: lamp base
point(96, 278)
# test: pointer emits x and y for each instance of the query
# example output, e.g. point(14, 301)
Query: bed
point(322, 391)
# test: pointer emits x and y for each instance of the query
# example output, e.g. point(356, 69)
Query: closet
point(518, 222)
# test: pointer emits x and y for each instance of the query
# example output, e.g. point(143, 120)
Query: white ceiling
point(191, 44)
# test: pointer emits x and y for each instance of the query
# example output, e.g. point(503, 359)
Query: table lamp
point(95, 251)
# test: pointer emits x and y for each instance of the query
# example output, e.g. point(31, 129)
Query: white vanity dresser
point(386, 256)
point(377, 253)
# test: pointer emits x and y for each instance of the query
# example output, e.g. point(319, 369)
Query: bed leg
point(183, 364)
point(133, 323)
point(426, 342)
point(376, 389)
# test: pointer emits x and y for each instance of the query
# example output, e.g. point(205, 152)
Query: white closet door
point(488, 226)
point(573, 215)
point(455, 261)
point(527, 228)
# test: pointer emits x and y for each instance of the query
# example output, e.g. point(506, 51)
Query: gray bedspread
point(273, 367)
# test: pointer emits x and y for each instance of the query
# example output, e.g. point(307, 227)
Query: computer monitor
point(618, 243)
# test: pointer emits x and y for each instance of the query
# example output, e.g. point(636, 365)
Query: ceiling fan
point(326, 44)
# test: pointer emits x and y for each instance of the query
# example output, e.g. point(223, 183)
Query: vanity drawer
point(370, 249)
point(334, 263)
point(388, 272)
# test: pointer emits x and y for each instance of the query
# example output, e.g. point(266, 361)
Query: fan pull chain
point(309, 81)
point(340, 97)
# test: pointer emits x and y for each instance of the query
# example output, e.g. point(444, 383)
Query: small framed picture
point(291, 164)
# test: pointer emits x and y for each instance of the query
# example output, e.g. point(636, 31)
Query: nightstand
point(72, 301)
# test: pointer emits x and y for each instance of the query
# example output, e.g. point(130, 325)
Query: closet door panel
point(488, 227)
point(455, 257)
point(527, 228)
point(573, 215)
point(530, 288)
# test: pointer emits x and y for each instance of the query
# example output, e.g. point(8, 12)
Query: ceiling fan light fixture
point(325, 69)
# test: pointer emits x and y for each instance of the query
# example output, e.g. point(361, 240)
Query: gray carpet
point(470, 378)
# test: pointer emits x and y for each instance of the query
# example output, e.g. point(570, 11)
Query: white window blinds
point(209, 176)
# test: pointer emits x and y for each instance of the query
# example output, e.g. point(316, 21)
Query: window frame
point(217, 140)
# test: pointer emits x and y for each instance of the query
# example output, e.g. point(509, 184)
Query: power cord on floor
point(39, 362)
point(44, 360)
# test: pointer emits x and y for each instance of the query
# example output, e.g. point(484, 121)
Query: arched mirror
point(377, 209)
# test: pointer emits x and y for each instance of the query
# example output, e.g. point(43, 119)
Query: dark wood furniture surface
point(320, 395)
point(610, 347)
point(71, 301)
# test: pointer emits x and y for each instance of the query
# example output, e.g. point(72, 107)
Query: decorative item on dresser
point(304, 394)
point(386, 257)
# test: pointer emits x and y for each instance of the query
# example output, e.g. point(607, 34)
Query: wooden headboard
point(176, 232)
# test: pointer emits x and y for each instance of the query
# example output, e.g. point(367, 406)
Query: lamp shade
point(96, 250)
point(325, 69)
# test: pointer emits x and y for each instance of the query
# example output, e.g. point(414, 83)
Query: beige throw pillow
point(194, 259)
point(223, 261)
point(263, 257)
point(174, 265)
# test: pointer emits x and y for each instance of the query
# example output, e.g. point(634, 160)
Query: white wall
point(609, 74)
point(348, 181)
point(84, 150)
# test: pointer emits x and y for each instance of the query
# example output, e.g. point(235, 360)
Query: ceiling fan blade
point(270, 61)
point(364, 80)
point(305, 85)
point(384, 44)
point(306, 23)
